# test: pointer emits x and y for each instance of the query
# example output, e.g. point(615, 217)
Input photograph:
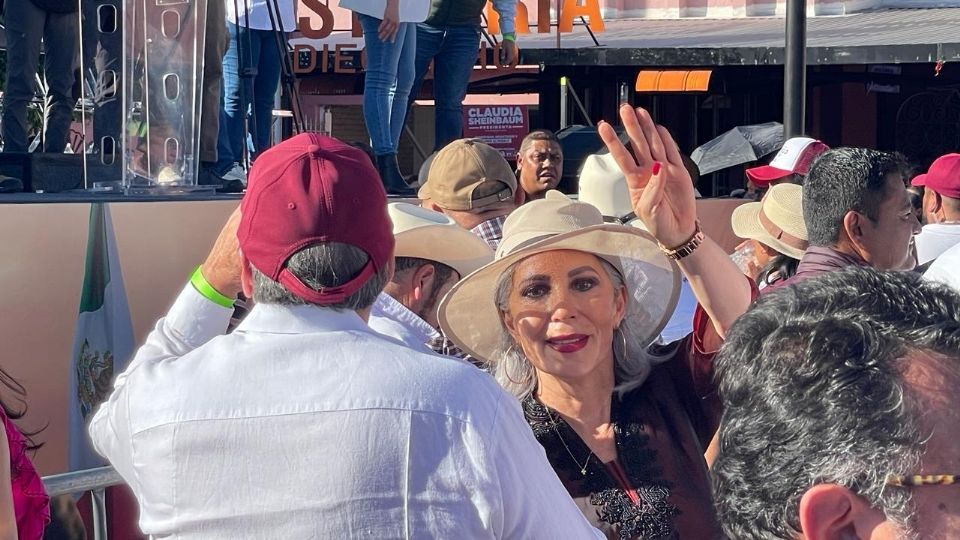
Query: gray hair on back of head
point(323, 265)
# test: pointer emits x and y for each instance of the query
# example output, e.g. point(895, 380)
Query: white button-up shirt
point(304, 423)
point(391, 318)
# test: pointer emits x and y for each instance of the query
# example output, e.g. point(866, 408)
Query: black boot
point(9, 184)
point(391, 177)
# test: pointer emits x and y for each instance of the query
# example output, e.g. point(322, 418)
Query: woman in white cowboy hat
point(775, 228)
point(567, 315)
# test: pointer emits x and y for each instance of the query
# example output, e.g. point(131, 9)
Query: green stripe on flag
point(97, 270)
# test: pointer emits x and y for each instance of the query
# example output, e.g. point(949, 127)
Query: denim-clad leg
point(380, 86)
point(429, 39)
point(452, 68)
point(265, 86)
point(233, 111)
point(407, 39)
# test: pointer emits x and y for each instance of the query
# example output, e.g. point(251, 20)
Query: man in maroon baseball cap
point(304, 422)
point(941, 206)
point(315, 191)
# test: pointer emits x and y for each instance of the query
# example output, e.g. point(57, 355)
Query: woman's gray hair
point(323, 265)
point(515, 373)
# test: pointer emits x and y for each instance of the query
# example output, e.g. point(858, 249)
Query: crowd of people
point(492, 363)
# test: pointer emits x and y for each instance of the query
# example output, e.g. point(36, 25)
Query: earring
point(623, 343)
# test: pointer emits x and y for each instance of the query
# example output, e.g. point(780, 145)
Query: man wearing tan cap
point(432, 253)
point(472, 183)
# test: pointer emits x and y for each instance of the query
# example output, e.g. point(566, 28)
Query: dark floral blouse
point(659, 486)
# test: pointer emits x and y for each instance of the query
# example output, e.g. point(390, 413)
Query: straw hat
point(776, 221)
point(469, 315)
point(433, 236)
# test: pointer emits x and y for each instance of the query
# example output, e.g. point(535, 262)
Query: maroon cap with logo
point(308, 190)
point(943, 176)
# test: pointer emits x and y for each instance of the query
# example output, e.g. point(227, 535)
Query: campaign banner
point(501, 126)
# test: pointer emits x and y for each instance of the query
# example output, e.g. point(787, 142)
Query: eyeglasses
point(922, 480)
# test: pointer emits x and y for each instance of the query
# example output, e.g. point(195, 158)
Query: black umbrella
point(741, 144)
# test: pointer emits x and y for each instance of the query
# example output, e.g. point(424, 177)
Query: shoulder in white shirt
point(934, 239)
point(946, 269)
point(304, 423)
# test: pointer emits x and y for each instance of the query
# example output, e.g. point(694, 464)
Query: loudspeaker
point(51, 173)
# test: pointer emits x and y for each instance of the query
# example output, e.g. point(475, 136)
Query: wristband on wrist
point(510, 36)
point(685, 248)
point(206, 290)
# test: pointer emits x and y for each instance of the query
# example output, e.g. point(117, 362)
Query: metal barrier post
point(563, 103)
point(98, 504)
point(93, 480)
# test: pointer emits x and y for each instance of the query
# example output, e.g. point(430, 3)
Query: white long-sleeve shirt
point(304, 423)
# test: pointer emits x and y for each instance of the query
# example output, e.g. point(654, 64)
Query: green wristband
point(206, 290)
point(510, 37)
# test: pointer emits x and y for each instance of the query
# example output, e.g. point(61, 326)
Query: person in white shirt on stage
point(941, 205)
point(432, 253)
point(304, 422)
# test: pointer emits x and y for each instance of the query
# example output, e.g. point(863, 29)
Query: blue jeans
point(453, 50)
point(26, 25)
point(386, 89)
point(263, 54)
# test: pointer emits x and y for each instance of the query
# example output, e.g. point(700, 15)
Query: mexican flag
point(103, 341)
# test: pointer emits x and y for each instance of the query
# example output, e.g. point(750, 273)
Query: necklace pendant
point(583, 471)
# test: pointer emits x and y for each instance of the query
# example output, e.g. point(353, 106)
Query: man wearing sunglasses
point(841, 411)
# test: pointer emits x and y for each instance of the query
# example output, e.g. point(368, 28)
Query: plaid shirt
point(443, 346)
point(490, 231)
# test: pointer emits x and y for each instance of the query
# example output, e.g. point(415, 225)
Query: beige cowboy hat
point(469, 315)
point(433, 236)
point(776, 221)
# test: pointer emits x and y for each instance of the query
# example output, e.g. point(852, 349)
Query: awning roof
point(884, 36)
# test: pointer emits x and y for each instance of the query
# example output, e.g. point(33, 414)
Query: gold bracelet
point(685, 248)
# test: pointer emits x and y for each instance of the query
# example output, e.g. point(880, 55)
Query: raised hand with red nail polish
point(660, 187)
point(663, 197)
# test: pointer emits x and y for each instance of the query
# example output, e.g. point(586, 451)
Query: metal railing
point(93, 480)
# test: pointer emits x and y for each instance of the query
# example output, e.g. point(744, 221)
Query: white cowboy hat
point(776, 221)
point(433, 236)
point(469, 315)
point(603, 185)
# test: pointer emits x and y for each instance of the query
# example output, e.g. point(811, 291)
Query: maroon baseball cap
point(942, 177)
point(308, 190)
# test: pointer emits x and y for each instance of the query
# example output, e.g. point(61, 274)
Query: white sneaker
point(236, 173)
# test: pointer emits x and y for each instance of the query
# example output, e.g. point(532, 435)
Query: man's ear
point(520, 196)
point(430, 205)
point(852, 227)
point(833, 512)
point(936, 206)
point(246, 277)
point(422, 283)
